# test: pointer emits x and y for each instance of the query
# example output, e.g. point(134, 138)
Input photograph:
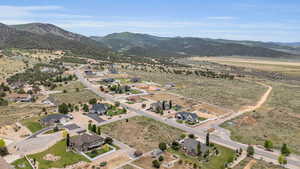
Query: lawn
point(21, 164)
point(59, 150)
point(33, 124)
point(115, 111)
point(278, 120)
point(141, 133)
point(259, 164)
point(74, 97)
point(238, 93)
point(99, 151)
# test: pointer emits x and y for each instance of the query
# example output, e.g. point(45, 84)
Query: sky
point(261, 20)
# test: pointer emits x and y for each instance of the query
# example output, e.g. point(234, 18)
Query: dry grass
point(278, 120)
point(141, 133)
point(260, 164)
point(231, 94)
point(9, 66)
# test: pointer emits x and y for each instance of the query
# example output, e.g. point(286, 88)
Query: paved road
point(293, 163)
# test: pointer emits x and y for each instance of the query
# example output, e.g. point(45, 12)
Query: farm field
point(273, 121)
point(256, 164)
point(141, 133)
point(238, 93)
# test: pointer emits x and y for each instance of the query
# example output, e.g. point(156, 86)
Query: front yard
point(62, 157)
point(94, 153)
point(33, 124)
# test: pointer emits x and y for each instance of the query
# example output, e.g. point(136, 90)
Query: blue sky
point(268, 20)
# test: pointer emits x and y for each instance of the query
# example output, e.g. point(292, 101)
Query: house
point(161, 105)
point(187, 116)
point(86, 142)
point(15, 97)
point(89, 72)
point(53, 119)
point(99, 109)
point(108, 80)
point(135, 79)
point(156, 153)
point(190, 146)
point(112, 69)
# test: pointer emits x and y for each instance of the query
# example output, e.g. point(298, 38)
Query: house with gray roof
point(187, 116)
point(99, 109)
point(53, 119)
point(190, 146)
point(86, 142)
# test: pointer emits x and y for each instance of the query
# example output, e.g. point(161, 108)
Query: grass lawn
point(99, 151)
point(259, 164)
point(278, 120)
point(59, 149)
point(33, 124)
point(141, 133)
point(21, 164)
point(74, 97)
point(115, 112)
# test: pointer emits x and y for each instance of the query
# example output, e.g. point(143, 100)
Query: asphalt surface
point(266, 155)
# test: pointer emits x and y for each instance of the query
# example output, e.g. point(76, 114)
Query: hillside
point(148, 45)
point(45, 36)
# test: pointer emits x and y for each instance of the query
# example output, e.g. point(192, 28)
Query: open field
point(257, 164)
point(231, 94)
point(63, 158)
point(15, 111)
point(278, 120)
point(291, 68)
point(141, 133)
point(70, 86)
point(9, 66)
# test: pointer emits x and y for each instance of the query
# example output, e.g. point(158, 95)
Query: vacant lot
point(278, 120)
point(259, 164)
point(230, 94)
point(71, 86)
point(9, 66)
point(141, 132)
point(16, 111)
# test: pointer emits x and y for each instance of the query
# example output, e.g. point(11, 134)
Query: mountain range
point(48, 36)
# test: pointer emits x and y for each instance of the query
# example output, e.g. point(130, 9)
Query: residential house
point(16, 97)
point(135, 79)
point(89, 72)
point(161, 106)
point(86, 142)
point(53, 119)
point(191, 146)
point(156, 153)
point(99, 109)
point(187, 116)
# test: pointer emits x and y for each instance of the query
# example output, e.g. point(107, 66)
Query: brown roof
point(86, 138)
point(4, 164)
point(16, 95)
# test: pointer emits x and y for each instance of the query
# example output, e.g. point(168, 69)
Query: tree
point(155, 164)
point(85, 108)
point(63, 108)
point(162, 146)
point(161, 158)
point(117, 104)
point(3, 149)
point(175, 145)
point(199, 149)
point(250, 151)
point(77, 89)
point(182, 136)
point(93, 101)
point(99, 130)
point(282, 160)
point(68, 140)
point(192, 136)
point(268, 145)
point(108, 140)
point(90, 127)
point(94, 128)
point(285, 150)
point(207, 139)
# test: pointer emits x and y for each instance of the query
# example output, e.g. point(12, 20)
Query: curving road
point(293, 162)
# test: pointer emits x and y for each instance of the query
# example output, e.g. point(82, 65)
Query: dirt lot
point(256, 164)
point(141, 133)
point(273, 121)
point(231, 94)
point(146, 162)
point(14, 66)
